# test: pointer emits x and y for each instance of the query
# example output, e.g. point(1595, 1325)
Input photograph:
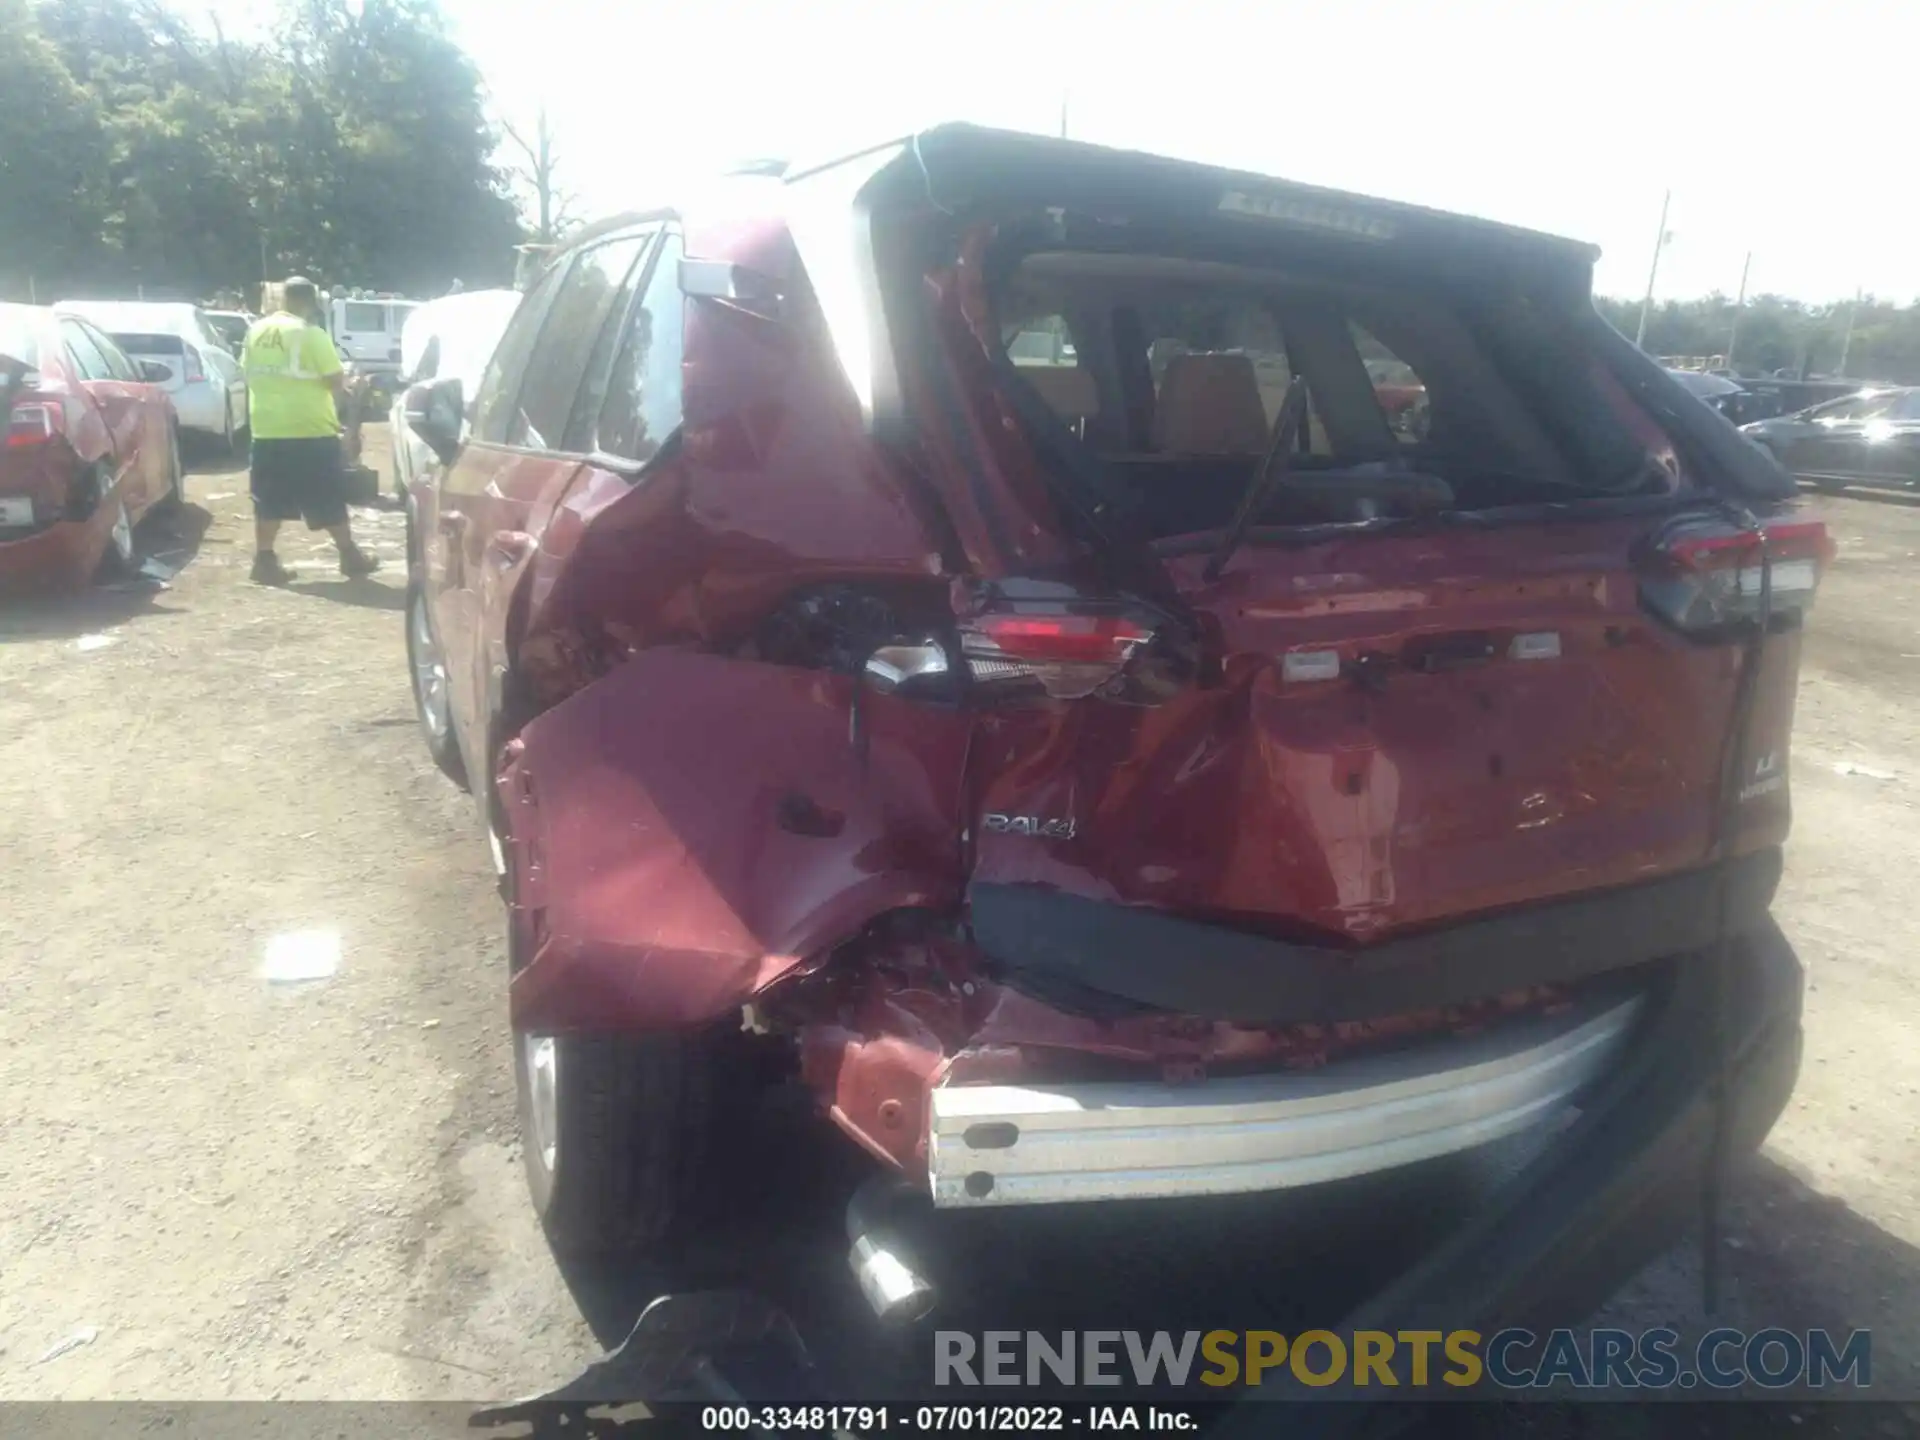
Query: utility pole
point(1646, 306)
point(1846, 342)
point(1733, 334)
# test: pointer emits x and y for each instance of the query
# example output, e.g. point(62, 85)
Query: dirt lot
point(250, 1190)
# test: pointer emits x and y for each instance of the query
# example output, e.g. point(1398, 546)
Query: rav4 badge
point(1029, 825)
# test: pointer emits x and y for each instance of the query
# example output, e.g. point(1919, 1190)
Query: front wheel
point(176, 496)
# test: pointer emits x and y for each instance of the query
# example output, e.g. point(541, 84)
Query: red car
point(1099, 779)
point(92, 447)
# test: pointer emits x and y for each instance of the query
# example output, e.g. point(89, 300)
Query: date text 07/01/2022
point(866, 1419)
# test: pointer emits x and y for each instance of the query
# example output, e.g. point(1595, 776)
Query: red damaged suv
point(963, 619)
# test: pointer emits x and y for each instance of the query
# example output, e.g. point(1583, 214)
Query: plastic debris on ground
point(1865, 772)
point(85, 1335)
point(299, 957)
point(93, 642)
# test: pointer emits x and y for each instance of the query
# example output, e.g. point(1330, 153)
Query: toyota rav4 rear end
point(1239, 686)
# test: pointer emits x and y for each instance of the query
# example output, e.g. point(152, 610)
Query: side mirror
point(905, 667)
point(437, 412)
point(154, 373)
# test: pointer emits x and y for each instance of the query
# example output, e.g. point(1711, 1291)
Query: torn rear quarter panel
point(688, 829)
point(770, 485)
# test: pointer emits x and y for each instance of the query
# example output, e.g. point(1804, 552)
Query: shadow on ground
point(167, 543)
point(366, 594)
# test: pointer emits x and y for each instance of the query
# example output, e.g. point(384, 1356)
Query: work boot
point(356, 562)
point(267, 570)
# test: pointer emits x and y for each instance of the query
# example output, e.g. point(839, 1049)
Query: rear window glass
point(366, 317)
point(1170, 373)
point(149, 344)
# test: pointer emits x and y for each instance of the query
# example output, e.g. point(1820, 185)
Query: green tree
point(139, 152)
point(54, 162)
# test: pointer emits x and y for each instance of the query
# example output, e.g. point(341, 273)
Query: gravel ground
point(243, 1189)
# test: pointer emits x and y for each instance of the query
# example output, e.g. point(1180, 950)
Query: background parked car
point(1872, 438)
point(92, 447)
point(205, 381)
point(450, 338)
point(1715, 391)
point(231, 326)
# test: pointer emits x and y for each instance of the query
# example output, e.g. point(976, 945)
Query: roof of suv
point(961, 159)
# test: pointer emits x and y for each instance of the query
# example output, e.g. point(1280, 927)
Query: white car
point(453, 337)
point(231, 326)
point(205, 381)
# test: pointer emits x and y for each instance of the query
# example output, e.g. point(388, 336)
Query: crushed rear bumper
point(1618, 1188)
point(1108, 1140)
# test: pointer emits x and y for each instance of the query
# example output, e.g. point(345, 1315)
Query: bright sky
point(1567, 115)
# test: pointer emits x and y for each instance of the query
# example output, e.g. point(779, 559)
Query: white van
point(366, 332)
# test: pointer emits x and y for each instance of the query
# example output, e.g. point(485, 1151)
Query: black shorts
point(300, 480)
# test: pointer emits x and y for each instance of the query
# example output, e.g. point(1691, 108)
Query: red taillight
point(1702, 575)
point(196, 368)
point(1069, 656)
point(35, 422)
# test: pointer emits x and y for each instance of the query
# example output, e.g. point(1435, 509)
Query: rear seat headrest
point(1209, 404)
point(1068, 390)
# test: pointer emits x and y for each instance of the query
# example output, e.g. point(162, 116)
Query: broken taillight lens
point(1069, 656)
point(34, 422)
point(1705, 575)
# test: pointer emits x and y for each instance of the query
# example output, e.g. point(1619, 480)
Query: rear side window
point(1042, 347)
point(1397, 386)
point(86, 355)
point(154, 345)
point(643, 395)
point(117, 363)
point(361, 316)
point(493, 406)
point(566, 342)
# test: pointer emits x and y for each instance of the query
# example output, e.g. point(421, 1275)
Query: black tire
point(423, 652)
point(633, 1124)
point(632, 1120)
point(121, 557)
point(236, 437)
point(176, 497)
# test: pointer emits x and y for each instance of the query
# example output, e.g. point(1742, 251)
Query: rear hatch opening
point(1400, 508)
